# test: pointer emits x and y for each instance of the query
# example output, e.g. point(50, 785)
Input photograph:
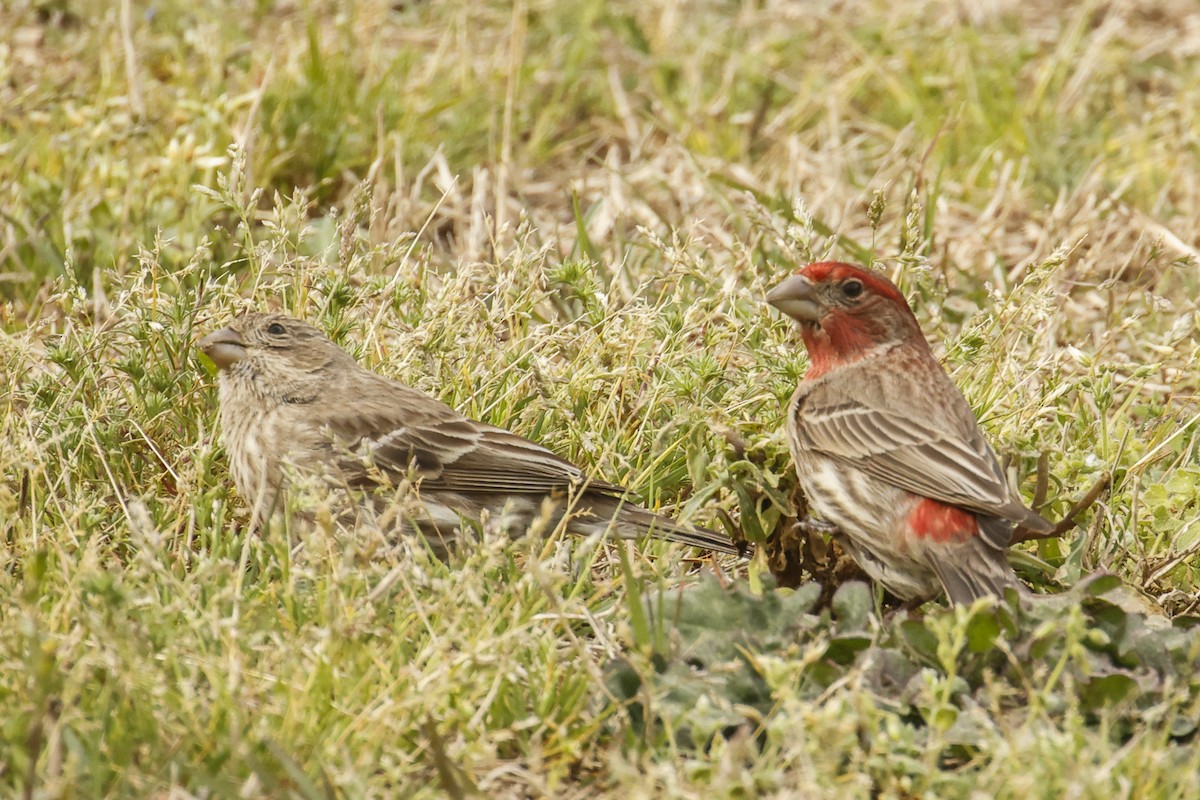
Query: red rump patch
point(941, 523)
point(875, 283)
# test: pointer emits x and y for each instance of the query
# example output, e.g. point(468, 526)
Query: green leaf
point(920, 639)
point(1108, 690)
point(852, 604)
point(982, 631)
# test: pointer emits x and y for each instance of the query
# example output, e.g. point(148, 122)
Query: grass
point(561, 217)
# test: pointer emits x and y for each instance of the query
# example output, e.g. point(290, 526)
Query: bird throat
point(839, 339)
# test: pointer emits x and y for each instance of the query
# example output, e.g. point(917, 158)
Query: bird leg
point(811, 525)
point(907, 608)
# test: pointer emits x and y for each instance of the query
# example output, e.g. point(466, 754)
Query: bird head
point(272, 350)
point(845, 312)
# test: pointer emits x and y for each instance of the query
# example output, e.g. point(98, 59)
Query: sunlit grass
point(559, 217)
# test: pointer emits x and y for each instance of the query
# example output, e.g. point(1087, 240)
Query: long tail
point(973, 569)
point(636, 522)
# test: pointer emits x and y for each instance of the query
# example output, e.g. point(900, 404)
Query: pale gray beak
point(225, 347)
point(796, 297)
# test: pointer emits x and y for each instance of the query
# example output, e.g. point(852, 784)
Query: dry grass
point(560, 217)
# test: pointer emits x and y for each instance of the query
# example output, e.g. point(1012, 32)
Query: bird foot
point(910, 608)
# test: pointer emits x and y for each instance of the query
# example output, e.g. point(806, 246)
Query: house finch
point(295, 404)
point(887, 448)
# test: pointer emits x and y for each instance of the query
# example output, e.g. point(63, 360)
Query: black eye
point(275, 329)
point(852, 288)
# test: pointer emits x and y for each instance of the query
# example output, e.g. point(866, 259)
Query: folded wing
point(950, 463)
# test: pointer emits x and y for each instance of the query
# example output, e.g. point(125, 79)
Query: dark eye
point(852, 288)
point(275, 329)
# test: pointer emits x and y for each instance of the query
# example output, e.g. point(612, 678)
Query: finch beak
point(225, 347)
point(796, 297)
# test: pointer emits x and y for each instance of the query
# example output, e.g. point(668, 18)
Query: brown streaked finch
point(295, 404)
point(887, 448)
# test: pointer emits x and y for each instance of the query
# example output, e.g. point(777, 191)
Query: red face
point(844, 312)
point(847, 276)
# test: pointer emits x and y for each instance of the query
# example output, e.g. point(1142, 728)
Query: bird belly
point(872, 516)
point(443, 517)
point(248, 446)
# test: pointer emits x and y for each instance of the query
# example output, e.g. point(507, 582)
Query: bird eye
point(275, 329)
point(852, 288)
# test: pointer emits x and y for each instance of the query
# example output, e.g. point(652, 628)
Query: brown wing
point(400, 429)
point(952, 463)
point(403, 432)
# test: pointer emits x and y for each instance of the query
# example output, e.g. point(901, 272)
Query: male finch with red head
point(887, 448)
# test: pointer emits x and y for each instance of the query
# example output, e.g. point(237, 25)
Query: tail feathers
point(1032, 521)
point(633, 522)
point(1005, 528)
point(972, 569)
point(588, 515)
